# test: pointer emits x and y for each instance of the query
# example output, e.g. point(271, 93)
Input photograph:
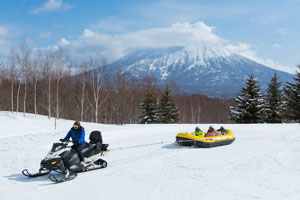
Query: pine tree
point(274, 102)
point(250, 103)
point(149, 109)
point(292, 92)
point(168, 110)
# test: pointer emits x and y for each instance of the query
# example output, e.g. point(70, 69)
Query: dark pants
point(78, 149)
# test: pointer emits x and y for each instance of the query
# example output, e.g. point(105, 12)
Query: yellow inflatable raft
point(189, 139)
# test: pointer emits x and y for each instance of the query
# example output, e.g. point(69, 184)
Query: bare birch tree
point(12, 76)
point(83, 77)
point(36, 74)
point(18, 73)
point(4, 86)
point(3, 72)
point(59, 59)
point(48, 73)
point(24, 62)
point(98, 66)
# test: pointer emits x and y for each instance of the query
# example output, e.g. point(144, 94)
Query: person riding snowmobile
point(69, 160)
point(77, 133)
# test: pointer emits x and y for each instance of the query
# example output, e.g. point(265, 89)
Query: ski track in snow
point(145, 163)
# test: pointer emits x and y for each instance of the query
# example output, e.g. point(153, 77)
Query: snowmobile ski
point(67, 177)
point(40, 173)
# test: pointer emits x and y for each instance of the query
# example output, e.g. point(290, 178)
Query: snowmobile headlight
point(57, 148)
point(53, 163)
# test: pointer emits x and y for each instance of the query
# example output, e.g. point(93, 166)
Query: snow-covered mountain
point(203, 69)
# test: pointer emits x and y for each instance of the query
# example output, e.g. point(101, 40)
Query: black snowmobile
point(63, 159)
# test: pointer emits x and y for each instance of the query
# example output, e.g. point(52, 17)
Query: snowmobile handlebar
point(64, 141)
point(67, 141)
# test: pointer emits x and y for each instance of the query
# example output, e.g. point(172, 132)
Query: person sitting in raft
point(211, 132)
point(221, 131)
point(198, 132)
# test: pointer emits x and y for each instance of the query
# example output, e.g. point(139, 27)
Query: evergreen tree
point(292, 92)
point(274, 102)
point(250, 103)
point(168, 110)
point(149, 109)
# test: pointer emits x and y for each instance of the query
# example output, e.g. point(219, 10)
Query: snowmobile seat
point(95, 137)
point(95, 145)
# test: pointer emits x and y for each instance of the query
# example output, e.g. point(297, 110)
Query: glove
point(75, 142)
point(62, 140)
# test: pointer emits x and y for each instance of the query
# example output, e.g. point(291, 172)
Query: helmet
point(211, 128)
point(77, 123)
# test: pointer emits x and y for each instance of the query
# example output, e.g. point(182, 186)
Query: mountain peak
point(203, 69)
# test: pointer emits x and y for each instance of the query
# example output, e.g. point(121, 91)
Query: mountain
point(211, 71)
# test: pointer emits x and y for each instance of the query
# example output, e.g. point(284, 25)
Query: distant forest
point(50, 84)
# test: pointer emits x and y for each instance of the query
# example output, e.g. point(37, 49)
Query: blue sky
point(266, 31)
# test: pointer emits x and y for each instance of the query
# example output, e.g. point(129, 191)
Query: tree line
point(49, 83)
point(279, 103)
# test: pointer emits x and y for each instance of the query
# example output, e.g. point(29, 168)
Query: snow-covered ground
point(144, 163)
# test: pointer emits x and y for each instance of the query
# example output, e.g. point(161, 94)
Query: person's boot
point(82, 165)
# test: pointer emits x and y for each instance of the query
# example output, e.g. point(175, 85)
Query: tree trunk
point(25, 93)
point(12, 95)
point(57, 98)
point(12, 77)
point(82, 102)
point(83, 85)
point(18, 95)
point(96, 111)
point(34, 98)
point(49, 98)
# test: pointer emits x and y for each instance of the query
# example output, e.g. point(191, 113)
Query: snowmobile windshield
point(57, 147)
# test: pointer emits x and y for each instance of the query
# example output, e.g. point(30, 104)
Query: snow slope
point(144, 162)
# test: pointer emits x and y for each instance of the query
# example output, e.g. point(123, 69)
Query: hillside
point(144, 162)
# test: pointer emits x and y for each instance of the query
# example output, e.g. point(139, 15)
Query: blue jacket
point(76, 135)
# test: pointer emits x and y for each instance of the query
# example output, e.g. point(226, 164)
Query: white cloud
point(271, 63)
point(5, 43)
point(88, 33)
point(241, 49)
point(3, 31)
point(118, 45)
point(264, 20)
point(63, 42)
point(119, 24)
point(51, 6)
point(45, 35)
point(282, 31)
point(247, 51)
point(276, 45)
point(180, 34)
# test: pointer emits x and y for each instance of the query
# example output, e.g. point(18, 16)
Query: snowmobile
point(64, 160)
